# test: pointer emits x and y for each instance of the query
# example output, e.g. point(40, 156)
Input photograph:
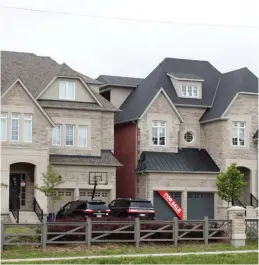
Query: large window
point(67, 90)
point(3, 126)
point(82, 136)
point(27, 132)
point(56, 135)
point(70, 135)
point(190, 91)
point(158, 132)
point(15, 126)
point(238, 133)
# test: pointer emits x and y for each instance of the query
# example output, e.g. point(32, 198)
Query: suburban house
point(53, 114)
point(180, 126)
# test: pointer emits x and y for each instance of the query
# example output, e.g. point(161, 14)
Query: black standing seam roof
point(186, 160)
point(255, 137)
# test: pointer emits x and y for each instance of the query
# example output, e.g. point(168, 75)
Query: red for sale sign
point(172, 203)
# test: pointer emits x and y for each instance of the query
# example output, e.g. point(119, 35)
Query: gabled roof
point(186, 160)
point(231, 83)
point(185, 76)
point(35, 71)
point(136, 103)
point(119, 80)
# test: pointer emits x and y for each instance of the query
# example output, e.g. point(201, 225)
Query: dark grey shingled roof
point(139, 99)
point(106, 159)
point(120, 80)
point(242, 80)
point(34, 71)
point(185, 76)
point(186, 160)
point(255, 137)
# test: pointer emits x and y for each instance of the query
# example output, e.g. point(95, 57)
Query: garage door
point(200, 204)
point(66, 195)
point(99, 195)
point(163, 211)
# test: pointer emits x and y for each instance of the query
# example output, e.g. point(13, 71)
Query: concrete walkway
point(133, 255)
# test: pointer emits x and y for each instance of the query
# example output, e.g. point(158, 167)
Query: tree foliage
point(230, 184)
point(3, 185)
point(51, 181)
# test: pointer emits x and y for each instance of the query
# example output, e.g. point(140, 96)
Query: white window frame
point(60, 135)
point(236, 125)
point(15, 118)
point(4, 116)
point(66, 90)
point(73, 126)
point(27, 119)
point(186, 88)
point(86, 128)
point(158, 126)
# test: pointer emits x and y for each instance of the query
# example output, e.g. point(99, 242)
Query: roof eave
point(181, 172)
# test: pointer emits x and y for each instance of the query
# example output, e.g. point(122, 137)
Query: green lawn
point(251, 258)
point(73, 250)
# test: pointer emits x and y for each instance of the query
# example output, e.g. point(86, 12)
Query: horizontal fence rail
point(135, 231)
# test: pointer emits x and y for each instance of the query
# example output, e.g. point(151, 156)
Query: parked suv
point(132, 208)
point(82, 209)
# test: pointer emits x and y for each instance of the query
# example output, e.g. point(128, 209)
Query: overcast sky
point(96, 46)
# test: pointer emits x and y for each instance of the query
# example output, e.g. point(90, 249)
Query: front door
point(15, 186)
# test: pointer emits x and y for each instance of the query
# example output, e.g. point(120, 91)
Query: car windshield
point(145, 204)
point(97, 206)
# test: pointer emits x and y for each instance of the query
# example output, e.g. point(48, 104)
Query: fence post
point(2, 237)
point(176, 224)
point(206, 230)
point(44, 234)
point(89, 232)
point(137, 232)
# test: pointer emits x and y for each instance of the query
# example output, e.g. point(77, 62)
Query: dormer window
point(190, 91)
point(67, 90)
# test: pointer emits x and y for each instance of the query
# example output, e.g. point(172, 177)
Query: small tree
point(3, 185)
point(230, 184)
point(50, 183)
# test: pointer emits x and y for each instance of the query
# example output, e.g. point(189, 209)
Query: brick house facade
point(210, 115)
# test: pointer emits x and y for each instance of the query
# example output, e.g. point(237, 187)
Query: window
point(188, 137)
point(27, 133)
point(67, 90)
point(82, 136)
point(3, 126)
point(238, 133)
point(15, 126)
point(190, 91)
point(69, 135)
point(158, 132)
point(56, 135)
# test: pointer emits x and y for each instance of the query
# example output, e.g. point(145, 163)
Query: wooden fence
point(252, 228)
point(135, 231)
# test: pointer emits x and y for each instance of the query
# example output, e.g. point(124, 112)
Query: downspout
point(136, 154)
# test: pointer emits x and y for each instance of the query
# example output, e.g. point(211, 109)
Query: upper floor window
point(3, 126)
point(188, 137)
point(82, 136)
point(15, 126)
point(190, 91)
point(238, 133)
point(67, 90)
point(158, 132)
point(27, 133)
point(56, 135)
point(70, 135)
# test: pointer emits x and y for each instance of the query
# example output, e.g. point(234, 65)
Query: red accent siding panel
point(125, 141)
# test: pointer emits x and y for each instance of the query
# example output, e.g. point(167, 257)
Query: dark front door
point(15, 187)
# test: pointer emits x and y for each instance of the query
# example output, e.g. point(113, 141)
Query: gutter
point(179, 172)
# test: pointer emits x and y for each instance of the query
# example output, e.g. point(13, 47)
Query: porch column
point(5, 179)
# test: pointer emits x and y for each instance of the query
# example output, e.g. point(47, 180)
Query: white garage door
point(66, 196)
point(103, 195)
